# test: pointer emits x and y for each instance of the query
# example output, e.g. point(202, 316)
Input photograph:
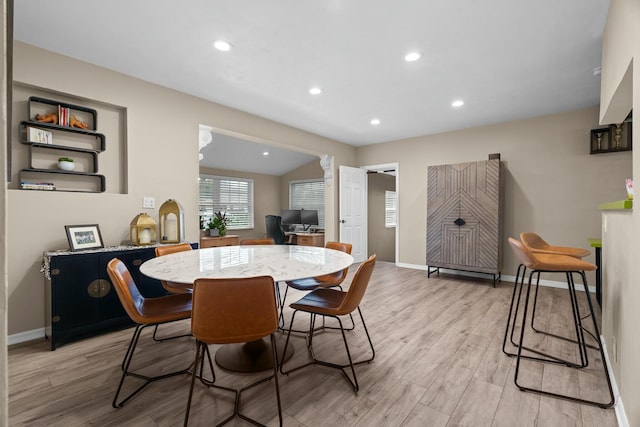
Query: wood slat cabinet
point(464, 217)
point(81, 301)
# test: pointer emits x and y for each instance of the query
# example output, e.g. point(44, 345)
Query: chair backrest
point(339, 276)
point(267, 241)
point(126, 289)
point(233, 310)
point(533, 241)
point(523, 254)
point(170, 249)
point(537, 245)
point(274, 228)
point(358, 286)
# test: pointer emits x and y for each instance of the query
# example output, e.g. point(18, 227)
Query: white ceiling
point(507, 59)
point(236, 154)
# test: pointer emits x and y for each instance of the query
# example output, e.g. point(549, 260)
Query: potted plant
point(65, 163)
point(217, 225)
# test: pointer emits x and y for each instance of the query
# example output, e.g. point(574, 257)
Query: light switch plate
point(149, 203)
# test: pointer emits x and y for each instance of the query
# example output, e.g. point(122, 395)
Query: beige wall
point(162, 159)
point(381, 240)
point(621, 230)
point(552, 184)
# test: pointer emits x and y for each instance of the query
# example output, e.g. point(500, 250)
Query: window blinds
point(233, 196)
point(308, 195)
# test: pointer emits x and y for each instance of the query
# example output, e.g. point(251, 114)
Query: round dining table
point(282, 262)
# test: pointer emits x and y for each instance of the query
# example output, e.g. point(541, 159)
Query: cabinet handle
point(98, 288)
point(105, 288)
point(137, 262)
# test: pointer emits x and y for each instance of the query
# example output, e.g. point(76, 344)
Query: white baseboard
point(21, 337)
point(549, 283)
point(621, 415)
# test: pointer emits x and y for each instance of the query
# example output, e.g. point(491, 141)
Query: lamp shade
point(143, 230)
point(171, 222)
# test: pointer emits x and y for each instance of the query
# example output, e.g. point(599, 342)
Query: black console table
point(80, 299)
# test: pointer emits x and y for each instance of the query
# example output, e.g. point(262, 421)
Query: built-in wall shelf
point(57, 130)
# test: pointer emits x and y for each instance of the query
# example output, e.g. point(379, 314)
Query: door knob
point(342, 221)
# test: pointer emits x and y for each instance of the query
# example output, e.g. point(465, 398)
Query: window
point(308, 195)
point(233, 196)
point(390, 208)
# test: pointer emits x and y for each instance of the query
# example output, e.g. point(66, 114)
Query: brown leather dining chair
point(229, 311)
point(144, 312)
point(266, 241)
point(335, 303)
point(174, 288)
point(569, 266)
point(333, 280)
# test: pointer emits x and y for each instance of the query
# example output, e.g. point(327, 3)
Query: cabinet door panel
point(74, 302)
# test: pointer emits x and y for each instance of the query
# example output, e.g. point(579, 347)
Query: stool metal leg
point(579, 339)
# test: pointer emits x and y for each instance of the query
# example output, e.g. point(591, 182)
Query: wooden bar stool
point(548, 263)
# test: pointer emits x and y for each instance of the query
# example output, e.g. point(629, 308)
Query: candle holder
point(171, 222)
point(143, 230)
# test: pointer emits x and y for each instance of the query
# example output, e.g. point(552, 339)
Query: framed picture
point(83, 237)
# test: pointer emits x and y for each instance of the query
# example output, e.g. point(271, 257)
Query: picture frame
point(84, 237)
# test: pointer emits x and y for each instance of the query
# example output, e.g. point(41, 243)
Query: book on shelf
point(28, 185)
point(40, 136)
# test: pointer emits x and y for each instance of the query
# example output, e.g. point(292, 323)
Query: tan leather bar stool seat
point(538, 245)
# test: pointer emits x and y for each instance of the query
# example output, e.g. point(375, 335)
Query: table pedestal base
point(254, 356)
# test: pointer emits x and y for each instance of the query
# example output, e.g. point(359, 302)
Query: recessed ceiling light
point(222, 45)
point(375, 122)
point(412, 56)
point(457, 103)
point(266, 153)
point(315, 91)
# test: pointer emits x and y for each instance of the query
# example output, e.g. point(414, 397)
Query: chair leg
point(126, 362)
point(276, 384)
point(580, 337)
point(512, 319)
point(353, 382)
point(156, 339)
point(193, 381)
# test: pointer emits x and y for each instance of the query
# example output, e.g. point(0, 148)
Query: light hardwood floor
point(438, 363)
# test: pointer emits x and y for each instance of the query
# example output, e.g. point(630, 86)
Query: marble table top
point(282, 262)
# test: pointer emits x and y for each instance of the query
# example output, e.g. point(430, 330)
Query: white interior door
point(353, 210)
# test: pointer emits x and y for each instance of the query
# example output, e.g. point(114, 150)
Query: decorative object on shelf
point(217, 225)
point(629, 185)
point(171, 222)
point(66, 164)
point(615, 137)
point(600, 140)
point(39, 136)
point(143, 230)
point(47, 118)
point(74, 122)
point(83, 237)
